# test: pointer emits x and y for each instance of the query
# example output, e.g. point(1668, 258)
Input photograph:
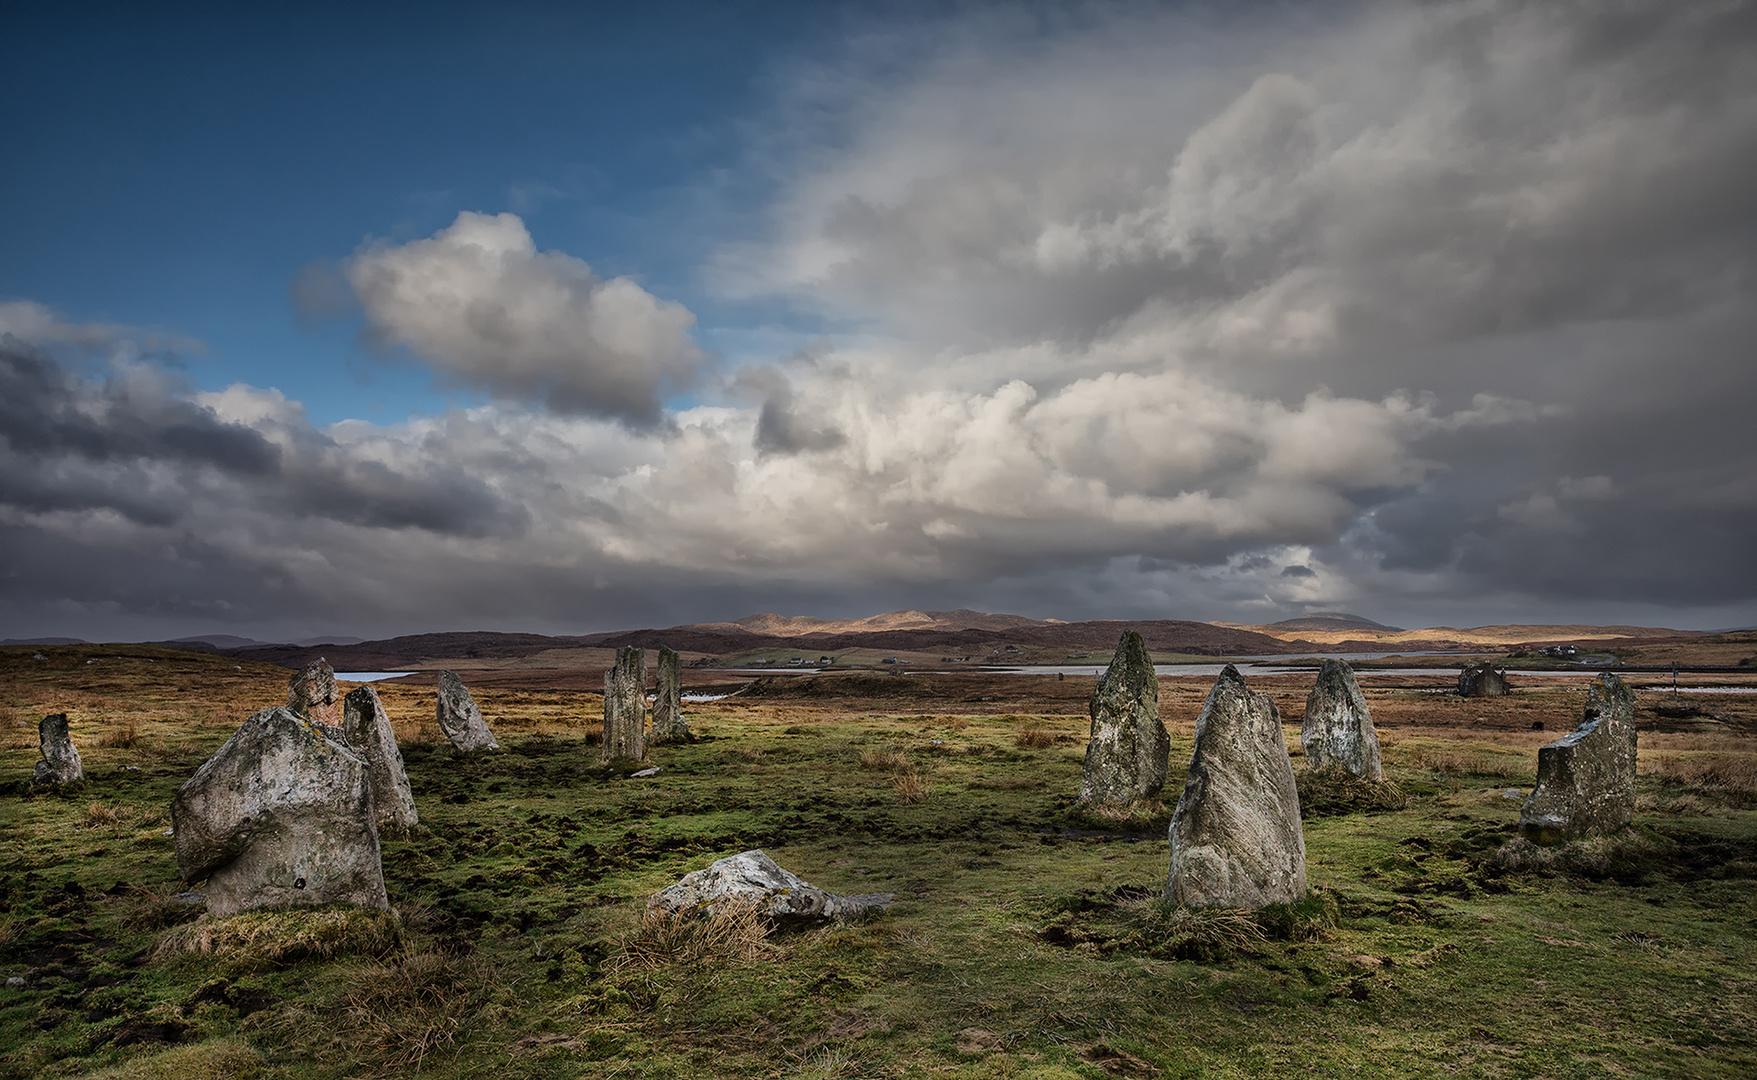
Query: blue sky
point(375, 319)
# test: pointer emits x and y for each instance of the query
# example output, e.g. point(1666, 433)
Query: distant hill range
point(974, 635)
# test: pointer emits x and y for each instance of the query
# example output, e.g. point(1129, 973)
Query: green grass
point(1026, 940)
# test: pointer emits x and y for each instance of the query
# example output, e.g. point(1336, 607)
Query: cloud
point(479, 302)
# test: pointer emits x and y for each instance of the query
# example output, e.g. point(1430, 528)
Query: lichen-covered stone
point(1338, 731)
point(752, 876)
point(668, 722)
point(625, 706)
point(1586, 779)
point(60, 761)
point(1481, 680)
point(280, 816)
point(368, 731)
point(1235, 836)
point(459, 717)
point(312, 693)
point(1127, 754)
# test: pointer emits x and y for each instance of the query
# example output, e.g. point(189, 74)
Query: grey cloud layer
point(1437, 312)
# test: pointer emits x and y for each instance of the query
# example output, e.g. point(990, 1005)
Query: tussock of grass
point(1034, 738)
point(734, 931)
point(99, 816)
point(911, 788)
point(121, 737)
point(883, 758)
point(254, 940)
point(1626, 853)
point(219, 1059)
point(1335, 791)
point(398, 1013)
point(153, 909)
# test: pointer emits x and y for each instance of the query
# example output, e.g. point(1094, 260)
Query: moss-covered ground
point(1025, 940)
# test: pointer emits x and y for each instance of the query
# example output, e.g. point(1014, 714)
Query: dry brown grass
point(734, 931)
point(124, 735)
point(99, 816)
point(254, 940)
point(911, 788)
point(1034, 738)
point(399, 1013)
point(1731, 778)
point(883, 758)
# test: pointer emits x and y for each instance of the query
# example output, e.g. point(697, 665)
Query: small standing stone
point(1482, 680)
point(280, 816)
point(60, 761)
point(1586, 779)
point(1338, 728)
point(625, 706)
point(368, 730)
point(459, 718)
point(1128, 751)
point(668, 722)
point(1235, 836)
point(312, 693)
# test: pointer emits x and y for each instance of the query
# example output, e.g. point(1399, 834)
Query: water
point(369, 676)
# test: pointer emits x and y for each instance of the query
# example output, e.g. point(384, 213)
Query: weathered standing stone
point(1126, 756)
point(752, 876)
point(60, 761)
point(1481, 680)
point(668, 722)
point(625, 706)
point(280, 816)
point(459, 718)
point(312, 693)
point(1586, 779)
point(1338, 728)
point(1235, 836)
point(369, 732)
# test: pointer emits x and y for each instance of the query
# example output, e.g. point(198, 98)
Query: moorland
point(1026, 939)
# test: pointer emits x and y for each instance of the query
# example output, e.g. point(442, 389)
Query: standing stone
point(369, 732)
point(60, 761)
point(312, 693)
point(1126, 756)
point(459, 718)
point(1338, 728)
point(280, 816)
point(1586, 779)
point(1481, 680)
point(1235, 836)
point(668, 722)
point(625, 706)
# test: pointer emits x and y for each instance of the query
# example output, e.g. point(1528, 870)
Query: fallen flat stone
point(1235, 836)
point(625, 706)
point(1338, 731)
point(368, 730)
point(280, 816)
point(1127, 753)
point(60, 761)
point(644, 773)
point(1586, 779)
point(668, 722)
point(459, 717)
point(1482, 680)
point(753, 876)
point(312, 693)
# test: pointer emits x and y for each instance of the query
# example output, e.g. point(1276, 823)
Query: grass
point(1028, 938)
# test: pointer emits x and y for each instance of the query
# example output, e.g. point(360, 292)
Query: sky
point(394, 318)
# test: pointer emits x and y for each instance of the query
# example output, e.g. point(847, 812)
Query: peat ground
point(1025, 941)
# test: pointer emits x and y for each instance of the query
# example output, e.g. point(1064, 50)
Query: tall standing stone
point(625, 706)
point(459, 718)
point(60, 761)
point(1126, 755)
point(312, 693)
point(668, 722)
point(1481, 680)
point(1338, 728)
point(1235, 836)
point(280, 816)
point(369, 732)
point(1586, 779)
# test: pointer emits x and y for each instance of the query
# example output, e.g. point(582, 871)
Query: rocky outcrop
point(668, 722)
point(459, 718)
point(1586, 779)
point(753, 877)
point(1337, 732)
point(312, 693)
point(60, 761)
point(368, 731)
point(1128, 750)
point(625, 706)
point(1235, 836)
point(1482, 680)
point(280, 816)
